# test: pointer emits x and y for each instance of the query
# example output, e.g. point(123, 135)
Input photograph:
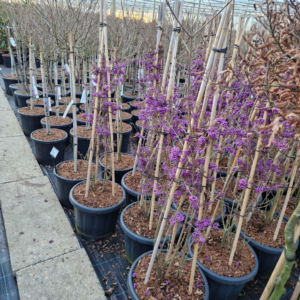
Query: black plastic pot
point(118, 173)
point(37, 63)
point(125, 140)
point(69, 114)
point(267, 256)
point(83, 145)
point(136, 245)
point(7, 61)
point(132, 107)
point(134, 296)
point(128, 109)
point(127, 121)
point(126, 99)
point(38, 105)
point(43, 149)
point(13, 89)
point(222, 287)
point(21, 99)
point(131, 196)
point(1, 58)
point(7, 83)
point(95, 223)
point(30, 123)
point(66, 128)
point(64, 187)
point(134, 117)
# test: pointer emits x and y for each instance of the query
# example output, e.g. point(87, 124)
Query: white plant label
point(58, 93)
point(12, 41)
point(83, 96)
point(54, 152)
point(49, 103)
point(46, 103)
point(67, 109)
point(67, 69)
point(94, 77)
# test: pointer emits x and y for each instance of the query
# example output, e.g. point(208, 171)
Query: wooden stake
point(287, 198)
point(73, 97)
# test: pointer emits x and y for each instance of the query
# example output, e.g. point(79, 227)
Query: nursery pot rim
point(63, 178)
point(54, 126)
point(123, 170)
point(124, 131)
point(29, 115)
point(129, 190)
point(226, 279)
point(11, 87)
point(95, 210)
point(129, 276)
point(49, 142)
point(23, 96)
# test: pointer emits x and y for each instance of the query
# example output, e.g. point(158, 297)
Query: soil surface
point(80, 117)
point(66, 169)
point(125, 115)
point(96, 197)
point(9, 76)
point(170, 288)
point(82, 132)
point(136, 112)
point(61, 121)
point(62, 109)
point(138, 104)
point(68, 99)
point(129, 94)
point(42, 135)
point(126, 161)
point(40, 101)
point(290, 206)
point(35, 112)
point(263, 233)
point(17, 85)
point(133, 182)
point(215, 258)
point(137, 221)
point(125, 106)
point(22, 92)
point(125, 127)
point(223, 163)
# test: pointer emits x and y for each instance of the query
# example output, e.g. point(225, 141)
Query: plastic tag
point(12, 41)
point(57, 93)
point(83, 96)
point(67, 109)
point(67, 69)
point(54, 152)
point(94, 77)
point(49, 103)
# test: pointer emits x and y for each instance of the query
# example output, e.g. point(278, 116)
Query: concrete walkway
point(45, 255)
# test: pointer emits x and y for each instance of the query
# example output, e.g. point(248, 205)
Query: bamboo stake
point(96, 107)
point(247, 194)
point(30, 74)
point(73, 97)
point(277, 270)
point(55, 87)
point(109, 95)
point(296, 291)
point(287, 198)
point(209, 146)
point(47, 116)
point(171, 81)
point(207, 74)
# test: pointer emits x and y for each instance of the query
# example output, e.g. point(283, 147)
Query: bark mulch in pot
point(137, 221)
point(167, 288)
point(23, 93)
point(66, 169)
point(68, 99)
point(290, 206)
point(96, 197)
point(126, 161)
point(80, 117)
point(125, 127)
point(61, 121)
point(42, 135)
point(16, 85)
point(35, 112)
point(263, 233)
point(215, 258)
point(10, 76)
point(40, 101)
point(136, 112)
point(134, 182)
point(138, 104)
point(125, 115)
point(83, 132)
point(62, 109)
